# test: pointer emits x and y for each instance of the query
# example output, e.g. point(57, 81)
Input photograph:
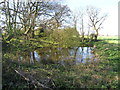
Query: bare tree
point(96, 19)
point(78, 20)
point(23, 14)
point(9, 11)
point(27, 15)
point(82, 26)
point(59, 14)
point(75, 18)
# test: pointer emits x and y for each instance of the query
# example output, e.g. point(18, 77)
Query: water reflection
point(64, 56)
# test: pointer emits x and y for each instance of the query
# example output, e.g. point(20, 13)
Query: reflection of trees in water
point(83, 54)
point(57, 55)
point(32, 58)
point(26, 57)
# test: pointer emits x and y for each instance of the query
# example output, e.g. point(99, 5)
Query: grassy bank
point(102, 73)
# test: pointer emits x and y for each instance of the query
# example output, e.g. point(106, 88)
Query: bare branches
point(58, 14)
point(95, 19)
point(31, 79)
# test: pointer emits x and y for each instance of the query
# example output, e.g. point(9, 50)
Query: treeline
point(48, 20)
point(26, 16)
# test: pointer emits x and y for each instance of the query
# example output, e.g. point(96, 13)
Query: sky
point(110, 26)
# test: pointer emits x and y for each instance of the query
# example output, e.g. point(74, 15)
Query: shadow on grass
point(101, 74)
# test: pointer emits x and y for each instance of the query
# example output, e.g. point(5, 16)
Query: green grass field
point(110, 39)
point(101, 74)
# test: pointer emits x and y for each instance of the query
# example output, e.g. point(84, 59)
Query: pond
point(64, 56)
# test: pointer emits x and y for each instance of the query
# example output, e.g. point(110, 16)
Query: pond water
point(64, 56)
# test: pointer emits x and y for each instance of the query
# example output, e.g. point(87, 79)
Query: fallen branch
point(30, 79)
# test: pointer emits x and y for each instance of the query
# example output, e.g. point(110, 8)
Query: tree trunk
point(96, 35)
